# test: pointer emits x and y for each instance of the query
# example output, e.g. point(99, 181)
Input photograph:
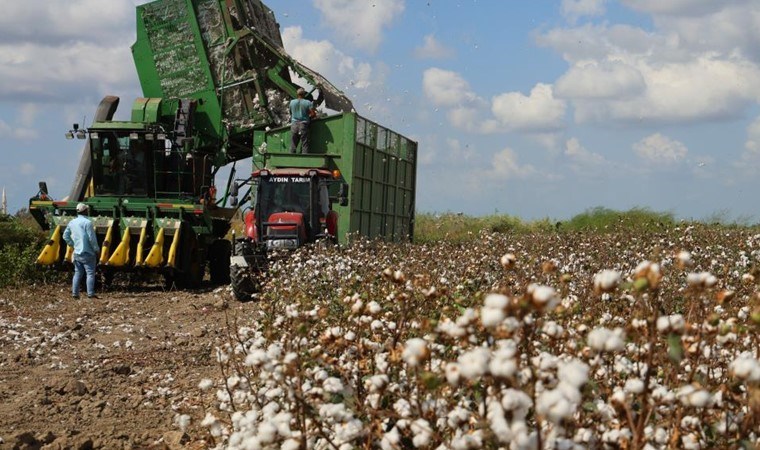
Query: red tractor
point(291, 207)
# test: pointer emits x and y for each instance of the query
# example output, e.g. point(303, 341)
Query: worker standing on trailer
point(80, 235)
point(301, 113)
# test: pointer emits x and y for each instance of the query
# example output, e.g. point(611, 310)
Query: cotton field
point(546, 341)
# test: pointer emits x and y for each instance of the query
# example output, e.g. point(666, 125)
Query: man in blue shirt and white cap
point(80, 235)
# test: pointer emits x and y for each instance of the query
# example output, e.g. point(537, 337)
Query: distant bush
point(21, 240)
point(456, 227)
point(603, 219)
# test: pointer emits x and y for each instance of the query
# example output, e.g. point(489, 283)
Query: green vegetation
point(462, 228)
point(20, 242)
point(604, 219)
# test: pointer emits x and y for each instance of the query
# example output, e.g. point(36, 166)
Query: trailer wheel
point(219, 261)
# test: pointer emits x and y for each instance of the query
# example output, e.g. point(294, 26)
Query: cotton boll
point(745, 367)
point(543, 297)
point(422, 433)
point(415, 352)
point(673, 322)
point(333, 385)
point(606, 280)
point(453, 373)
point(491, 317)
point(502, 364)
point(634, 386)
point(474, 363)
point(205, 384)
point(573, 372)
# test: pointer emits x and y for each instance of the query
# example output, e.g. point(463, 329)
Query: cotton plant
point(493, 345)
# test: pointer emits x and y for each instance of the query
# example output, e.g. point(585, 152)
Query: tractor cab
point(293, 207)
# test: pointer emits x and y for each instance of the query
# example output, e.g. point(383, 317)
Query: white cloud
point(575, 9)
point(360, 22)
point(749, 161)
point(447, 88)
point(600, 80)
point(506, 166)
point(322, 56)
point(660, 150)
point(700, 62)
point(580, 156)
point(539, 111)
point(432, 49)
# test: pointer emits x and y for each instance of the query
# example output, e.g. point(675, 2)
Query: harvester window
point(119, 165)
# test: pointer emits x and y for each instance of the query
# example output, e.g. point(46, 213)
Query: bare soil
point(112, 372)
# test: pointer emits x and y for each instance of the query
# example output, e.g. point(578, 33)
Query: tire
point(245, 281)
point(193, 264)
point(219, 261)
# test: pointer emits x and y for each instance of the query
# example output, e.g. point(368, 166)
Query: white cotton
point(415, 352)
point(182, 421)
point(553, 329)
point(205, 384)
point(634, 386)
point(673, 322)
point(422, 433)
point(474, 363)
point(573, 372)
point(503, 364)
point(453, 373)
point(374, 307)
point(496, 301)
point(606, 280)
point(603, 339)
point(333, 385)
point(684, 258)
point(543, 296)
point(745, 367)
point(402, 408)
point(491, 317)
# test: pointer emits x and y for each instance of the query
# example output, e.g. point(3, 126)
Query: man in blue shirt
point(301, 112)
point(80, 235)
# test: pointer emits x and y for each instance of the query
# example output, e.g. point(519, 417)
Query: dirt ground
point(110, 373)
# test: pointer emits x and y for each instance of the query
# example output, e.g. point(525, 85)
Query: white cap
point(81, 208)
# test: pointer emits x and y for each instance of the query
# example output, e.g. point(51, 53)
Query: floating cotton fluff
point(606, 280)
point(606, 340)
point(415, 352)
point(493, 312)
point(205, 384)
point(745, 367)
point(671, 323)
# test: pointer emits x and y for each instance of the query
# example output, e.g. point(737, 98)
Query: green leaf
point(675, 348)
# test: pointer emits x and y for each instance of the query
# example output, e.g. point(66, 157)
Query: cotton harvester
point(216, 83)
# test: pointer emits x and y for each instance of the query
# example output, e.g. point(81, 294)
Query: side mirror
point(234, 189)
point(343, 194)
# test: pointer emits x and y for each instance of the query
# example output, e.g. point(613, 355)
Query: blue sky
point(529, 108)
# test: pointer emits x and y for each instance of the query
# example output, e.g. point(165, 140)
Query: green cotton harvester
point(216, 84)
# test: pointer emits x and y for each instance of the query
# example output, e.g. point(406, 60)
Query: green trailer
point(378, 165)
